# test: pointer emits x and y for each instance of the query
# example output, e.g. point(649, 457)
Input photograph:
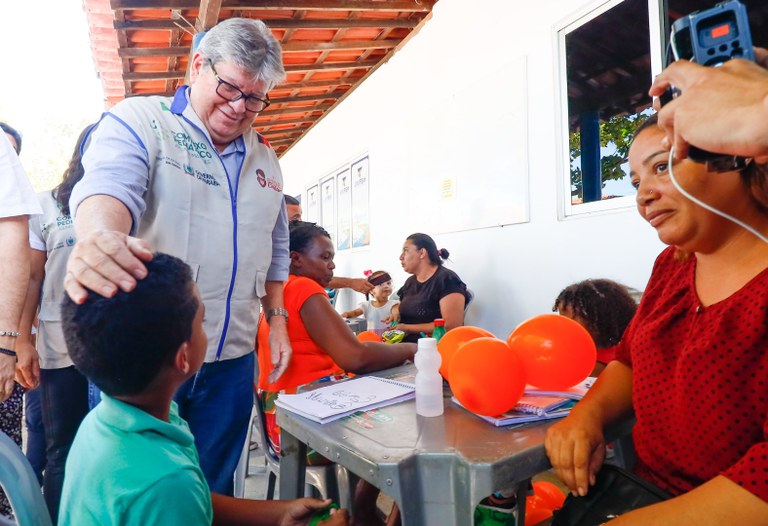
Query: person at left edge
point(188, 176)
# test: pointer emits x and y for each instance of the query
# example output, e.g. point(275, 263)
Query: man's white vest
point(221, 226)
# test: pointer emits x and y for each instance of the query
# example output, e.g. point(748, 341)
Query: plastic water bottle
point(429, 383)
point(439, 331)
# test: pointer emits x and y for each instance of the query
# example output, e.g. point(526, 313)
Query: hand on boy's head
point(103, 262)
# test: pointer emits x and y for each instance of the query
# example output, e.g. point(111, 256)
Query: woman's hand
point(347, 314)
point(576, 449)
point(402, 327)
point(394, 315)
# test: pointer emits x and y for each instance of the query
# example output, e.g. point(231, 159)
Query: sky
point(49, 88)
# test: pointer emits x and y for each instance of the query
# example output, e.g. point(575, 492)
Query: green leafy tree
point(616, 133)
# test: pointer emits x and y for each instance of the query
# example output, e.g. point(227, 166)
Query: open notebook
point(340, 399)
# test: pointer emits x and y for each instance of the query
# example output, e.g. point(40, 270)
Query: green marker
point(323, 514)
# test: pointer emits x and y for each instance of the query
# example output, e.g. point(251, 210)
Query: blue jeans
point(33, 420)
point(217, 404)
point(64, 394)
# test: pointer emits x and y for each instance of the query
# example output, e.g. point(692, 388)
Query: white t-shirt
point(374, 315)
point(17, 198)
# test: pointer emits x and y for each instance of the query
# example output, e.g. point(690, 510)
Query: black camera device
point(711, 37)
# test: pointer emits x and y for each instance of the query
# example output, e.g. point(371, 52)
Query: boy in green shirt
point(133, 461)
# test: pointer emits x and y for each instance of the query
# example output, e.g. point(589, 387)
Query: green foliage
point(615, 133)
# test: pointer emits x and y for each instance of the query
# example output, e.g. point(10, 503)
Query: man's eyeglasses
point(232, 93)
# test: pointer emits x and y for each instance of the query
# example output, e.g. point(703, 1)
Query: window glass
point(607, 67)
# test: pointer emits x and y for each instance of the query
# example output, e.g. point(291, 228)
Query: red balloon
point(549, 493)
point(369, 336)
point(486, 376)
point(557, 352)
point(455, 338)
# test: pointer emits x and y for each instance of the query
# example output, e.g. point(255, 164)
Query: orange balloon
point(369, 336)
point(455, 338)
point(549, 493)
point(536, 515)
point(557, 352)
point(486, 376)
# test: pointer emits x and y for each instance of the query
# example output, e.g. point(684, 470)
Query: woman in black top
point(431, 292)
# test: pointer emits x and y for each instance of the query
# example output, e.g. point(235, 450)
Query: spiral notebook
point(576, 392)
point(514, 416)
point(341, 399)
point(539, 405)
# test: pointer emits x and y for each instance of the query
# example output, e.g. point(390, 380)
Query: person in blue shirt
point(134, 461)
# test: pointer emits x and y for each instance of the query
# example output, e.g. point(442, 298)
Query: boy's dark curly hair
point(606, 307)
point(121, 343)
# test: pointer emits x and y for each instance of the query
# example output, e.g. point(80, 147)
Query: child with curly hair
point(603, 307)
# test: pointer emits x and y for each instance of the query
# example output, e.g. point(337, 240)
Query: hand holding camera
point(721, 105)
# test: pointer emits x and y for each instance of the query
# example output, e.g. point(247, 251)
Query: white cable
point(704, 205)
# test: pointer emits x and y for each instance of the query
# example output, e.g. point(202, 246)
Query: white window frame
point(566, 209)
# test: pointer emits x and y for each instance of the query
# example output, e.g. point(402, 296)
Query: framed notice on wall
point(344, 204)
point(361, 232)
point(328, 206)
point(312, 211)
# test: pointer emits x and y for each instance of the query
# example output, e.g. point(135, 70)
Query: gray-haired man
point(188, 176)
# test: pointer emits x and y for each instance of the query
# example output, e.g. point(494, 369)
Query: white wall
point(517, 270)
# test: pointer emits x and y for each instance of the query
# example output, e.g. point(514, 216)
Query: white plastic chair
point(241, 471)
point(330, 481)
point(21, 485)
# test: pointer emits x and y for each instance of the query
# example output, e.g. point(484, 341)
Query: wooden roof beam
point(305, 45)
point(208, 15)
point(288, 131)
point(166, 24)
point(269, 124)
point(332, 66)
point(302, 109)
point(287, 141)
point(134, 52)
point(330, 83)
point(305, 98)
point(133, 76)
point(420, 6)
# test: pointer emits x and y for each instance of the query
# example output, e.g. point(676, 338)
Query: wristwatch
point(276, 312)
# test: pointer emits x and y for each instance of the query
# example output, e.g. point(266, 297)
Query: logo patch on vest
point(201, 176)
point(264, 181)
